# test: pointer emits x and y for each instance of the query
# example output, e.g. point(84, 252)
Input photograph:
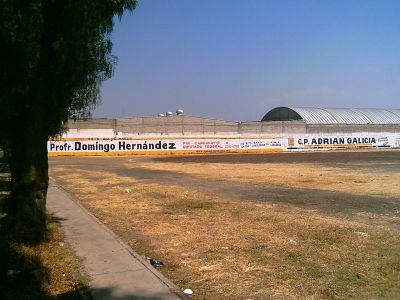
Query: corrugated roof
point(315, 115)
point(335, 115)
point(349, 116)
point(380, 116)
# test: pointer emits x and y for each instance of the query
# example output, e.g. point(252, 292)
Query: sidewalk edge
point(174, 288)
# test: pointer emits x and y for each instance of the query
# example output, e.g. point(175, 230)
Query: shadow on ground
point(21, 277)
point(110, 293)
point(373, 161)
point(326, 202)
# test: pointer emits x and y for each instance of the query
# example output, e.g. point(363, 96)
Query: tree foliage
point(54, 54)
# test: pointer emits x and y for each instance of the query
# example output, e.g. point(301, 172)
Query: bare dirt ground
point(254, 226)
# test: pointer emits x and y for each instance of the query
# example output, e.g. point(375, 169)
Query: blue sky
point(236, 59)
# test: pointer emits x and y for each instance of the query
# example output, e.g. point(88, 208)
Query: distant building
point(334, 115)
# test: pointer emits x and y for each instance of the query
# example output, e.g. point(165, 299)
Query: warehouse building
point(334, 115)
point(282, 128)
point(338, 120)
point(280, 120)
point(382, 125)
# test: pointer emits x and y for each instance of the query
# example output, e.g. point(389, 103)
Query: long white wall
point(107, 142)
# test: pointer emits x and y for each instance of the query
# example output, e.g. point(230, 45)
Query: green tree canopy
point(54, 56)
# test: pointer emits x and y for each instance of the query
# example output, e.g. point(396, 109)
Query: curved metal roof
point(334, 115)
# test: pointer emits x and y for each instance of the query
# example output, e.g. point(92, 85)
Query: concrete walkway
point(115, 270)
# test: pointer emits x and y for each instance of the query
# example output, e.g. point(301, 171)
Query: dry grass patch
point(237, 238)
point(299, 175)
point(55, 270)
point(49, 270)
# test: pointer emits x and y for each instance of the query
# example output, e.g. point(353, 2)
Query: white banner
point(93, 146)
point(317, 141)
point(162, 146)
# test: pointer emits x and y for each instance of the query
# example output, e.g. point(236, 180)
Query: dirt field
point(254, 226)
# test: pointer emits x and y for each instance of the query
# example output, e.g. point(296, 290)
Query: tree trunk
point(29, 182)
